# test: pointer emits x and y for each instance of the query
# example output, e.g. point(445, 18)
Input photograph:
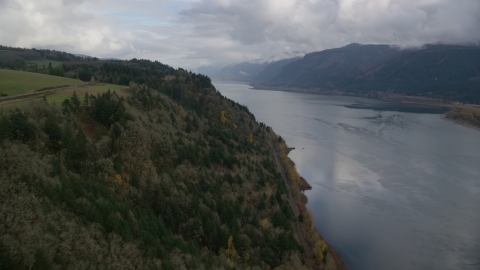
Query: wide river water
point(394, 186)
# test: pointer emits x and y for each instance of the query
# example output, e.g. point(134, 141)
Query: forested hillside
point(172, 176)
point(446, 72)
point(273, 69)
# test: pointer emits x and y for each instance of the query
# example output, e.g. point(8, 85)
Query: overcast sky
point(192, 33)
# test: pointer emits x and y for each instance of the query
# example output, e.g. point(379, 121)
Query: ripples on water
point(394, 186)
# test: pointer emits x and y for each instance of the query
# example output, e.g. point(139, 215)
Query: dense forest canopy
point(173, 176)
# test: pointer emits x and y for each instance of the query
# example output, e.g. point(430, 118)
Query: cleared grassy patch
point(58, 96)
point(43, 62)
point(13, 82)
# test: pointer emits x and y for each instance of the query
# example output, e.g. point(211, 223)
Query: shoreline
point(414, 100)
point(304, 185)
point(459, 122)
point(310, 236)
point(376, 96)
point(334, 260)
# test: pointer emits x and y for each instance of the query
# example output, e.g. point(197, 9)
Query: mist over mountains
point(244, 71)
point(255, 71)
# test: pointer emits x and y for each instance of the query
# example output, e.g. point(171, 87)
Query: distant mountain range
point(448, 72)
point(273, 69)
point(81, 55)
point(244, 71)
point(257, 71)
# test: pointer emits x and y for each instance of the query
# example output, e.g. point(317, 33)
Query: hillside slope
point(246, 71)
point(19, 82)
point(273, 69)
point(447, 72)
point(171, 176)
point(335, 67)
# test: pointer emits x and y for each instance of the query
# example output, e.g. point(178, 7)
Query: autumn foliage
point(162, 182)
point(317, 244)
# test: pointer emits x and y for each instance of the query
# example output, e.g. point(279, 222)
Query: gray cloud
point(74, 3)
point(325, 23)
point(193, 33)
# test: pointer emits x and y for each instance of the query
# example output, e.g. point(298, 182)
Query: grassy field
point(14, 82)
point(57, 97)
point(43, 62)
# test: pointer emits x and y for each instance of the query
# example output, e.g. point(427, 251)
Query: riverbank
point(320, 254)
point(367, 200)
point(461, 114)
point(456, 117)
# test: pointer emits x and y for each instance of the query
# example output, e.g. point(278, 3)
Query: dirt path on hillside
point(294, 207)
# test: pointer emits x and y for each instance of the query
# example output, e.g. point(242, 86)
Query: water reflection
point(396, 107)
point(393, 188)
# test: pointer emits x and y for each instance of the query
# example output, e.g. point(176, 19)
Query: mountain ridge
point(252, 71)
point(448, 72)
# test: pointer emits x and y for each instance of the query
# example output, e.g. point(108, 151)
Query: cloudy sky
point(192, 33)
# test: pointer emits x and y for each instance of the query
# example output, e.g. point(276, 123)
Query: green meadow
point(58, 96)
point(14, 82)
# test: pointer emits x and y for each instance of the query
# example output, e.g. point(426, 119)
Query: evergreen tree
point(75, 100)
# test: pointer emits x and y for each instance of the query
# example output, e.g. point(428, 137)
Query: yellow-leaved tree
point(118, 177)
point(264, 223)
point(223, 118)
point(319, 249)
point(231, 253)
point(293, 175)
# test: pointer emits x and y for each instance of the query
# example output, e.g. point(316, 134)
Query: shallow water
point(394, 186)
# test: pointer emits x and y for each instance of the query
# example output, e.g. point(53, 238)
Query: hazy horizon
point(194, 33)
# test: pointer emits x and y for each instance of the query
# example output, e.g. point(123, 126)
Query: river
point(394, 186)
